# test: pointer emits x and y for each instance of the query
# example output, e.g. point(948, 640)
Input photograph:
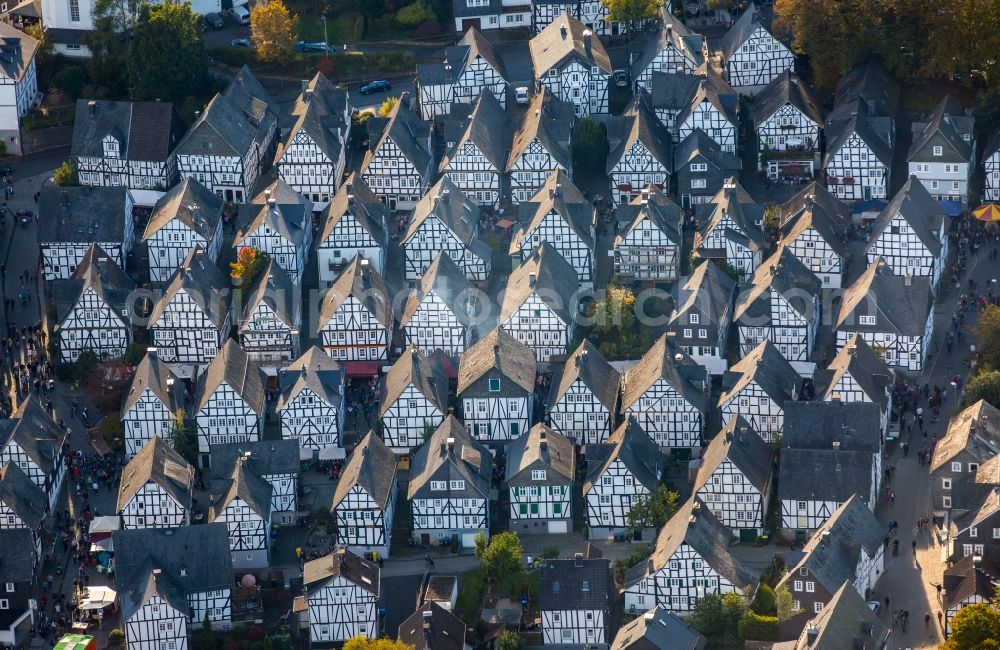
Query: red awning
point(361, 368)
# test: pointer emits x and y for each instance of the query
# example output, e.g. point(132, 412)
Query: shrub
point(754, 627)
point(415, 14)
point(70, 80)
point(550, 553)
point(763, 601)
point(65, 176)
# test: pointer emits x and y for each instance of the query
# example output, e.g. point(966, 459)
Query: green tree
point(182, 438)
point(987, 330)
point(764, 600)
point(718, 618)
point(415, 13)
point(976, 627)
point(962, 40)
point(116, 16)
point(630, 12)
point(652, 511)
point(755, 627)
point(272, 29)
point(509, 640)
point(590, 146)
point(615, 328)
point(985, 384)
point(387, 106)
point(500, 556)
point(987, 114)
point(37, 32)
point(65, 175)
point(364, 643)
point(785, 604)
point(206, 640)
point(116, 638)
point(167, 28)
point(70, 80)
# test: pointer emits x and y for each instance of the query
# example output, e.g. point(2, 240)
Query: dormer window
point(938, 150)
point(111, 148)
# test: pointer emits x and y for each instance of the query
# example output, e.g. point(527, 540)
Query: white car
point(621, 78)
point(521, 95)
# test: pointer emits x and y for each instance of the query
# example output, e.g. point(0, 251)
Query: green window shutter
point(523, 508)
point(534, 508)
point(557, 508)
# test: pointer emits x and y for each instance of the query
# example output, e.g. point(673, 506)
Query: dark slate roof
point(742, 446)
point(314, 370)
point(992, 145)
point(659, 362)
point(372, 466)
point(575, 584)
point(466, 459)
point(155, 375)
point(233, 366)
point(544, 446)
point(874, 131)
point(282, 193)
point(35, 432)
point(815, 207)
point(712, 89)
point(202, 280)
point(587, 365)
point(565, 38)
point(741, 31)
point(446, 202)
point(698, 145)
point(360, 280)
point(846, 623)
point(433, 627)
point(967, 578)
point(287, 220)
point(561, 195)
point(341, 563)
point(975, 429)
point(787, 89)
point(768, 369)
point(819, 425)
point(637, 123)
point(546, 274)
point(413, 368)
point(234, 121)
point(695, 526)
point(20, 52)
point(356, 198)
point(444, 278)
point(824, 474)
point(870, 83)
point(708, 291)
point(735, 201)
point(82, 214)
point(945, 127)
point(196, 206)
point(899, 304)
point(658, 629)
point(144, 130)
point(784, 273)
point(19, 493)
point(159, 463)
point(262, 457)
point(674, 92)
point(196, 558)
point(244, 483)
point(671, 32)
point(633, 446)
point(18, 560)
point(500, 350)
point(832, 554)
point(486, 127)
point(551, 121)
point(274, 288)
point(656, 206)
point(916, 206)
point(857, 359)
point(473, 44)
point(149, 582)
point(407, 131)
point(98, 271)
point(319, 110)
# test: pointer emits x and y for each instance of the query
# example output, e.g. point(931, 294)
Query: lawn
point(343, 27)
point(472, 588)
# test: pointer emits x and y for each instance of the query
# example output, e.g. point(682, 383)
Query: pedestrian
point(927, 621)
point(906, 449)
point(913, 545)
point(892, 496)
point(940, 617)
point(895, 547)
point(887, 603)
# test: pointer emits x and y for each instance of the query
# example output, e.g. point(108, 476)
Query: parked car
point(313, 46)
point(875, 606)
point(621, 78)
point(521, 95)
point(240, 42)
point(376, 86)
point(215, 21)
point(241, 14)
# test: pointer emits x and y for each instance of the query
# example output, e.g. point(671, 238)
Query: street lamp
point(326, 41)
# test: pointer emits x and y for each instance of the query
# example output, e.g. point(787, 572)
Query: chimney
point(812, 633)
point(562, 31)
point(350, 199)
point(908, 279)
point(92, 105)
point(444, 195)
point(531, 279)
point(543, 442)
point(836, 444)
point(578, 559)
point(586, 41)
point(305, 86)
point(558, 189)
point(450, 443)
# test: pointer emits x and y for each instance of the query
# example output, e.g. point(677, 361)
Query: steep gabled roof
point(319, 110)
point(287, 220)
point(157, 376)
point(575, 584)
point(656, 206)
point(408, 132)
point(565, 38)
point(815, 207)
point(634, 448)
point(314, 370)
point(914, 204)
point(233, 366)
point(249, 487)
point(549, 276)
point(98, 271)
point(943, 127)
point(784, 89)
point(717, 92)
point(768, 369)
point(742, 446)
point(825, 474)
point(341, 563)
point(498, 350)
point(20, 494)
point(446, 202)
point(354, 197)
point(265, 458)
point(846, 622)
point(190, 202)
point(158, 462)
point(741, 30)
point(709, 289)
point(18, 61)
point(784, 273)
point(832, 425)
point(467, 458)
point(445, 279)
point(433, 627)
point(674, 91)
point(149, 582)
point(975, 428)
point(206, 285)
point(458, 56)
point(671, 32)
point(857, 359)
point(82, 215)
point(970, 576)
point(698, 144)
point(658, 629)
point(733, 201)
point(486, 127)
point(197, 558)
point(540, 445)
point(146, 131)
point(372, 466)
point(274, 288)
point(899, 303)
point(875, 131)
point(550, 120)
point(870, 83)
point(561, 195)
point(413, 368)
point(637, 123)
point(588, 365)
point(35, 432)
point(660, 362)
point(360, 280)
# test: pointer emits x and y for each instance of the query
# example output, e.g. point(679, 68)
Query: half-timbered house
point(735, 477)
point(449, 489)
point(848, 547)
point(560, 215)
point(282, 231)
point(188, 215)
point(244, 505)
point(845, 621)
point(911, 234)
point(92, 308)
point(446, 220)
point(857, 374)
point(731, 229)
point(476, 149)
point(353, 224)
point(970, 443)
point(685, 103)
point(942, 155)
point(151, 405)
point(364, 501)
point(583, 400)
point(594, 15)
point(272, 317)
point(229, 400)
point(312, 154)
point(991, 168)
point(310, 403)
point(23, 505)
point(969, 581)
point(701, 166)
point(781, 305)
point(471, 67)
point(413, 399)
point(73, 218)
point(789, 122)
point(570, 61)
point(540, 303)
point(440, 311)
point(339, 601)
point(541, 469)
point(126, 144)
point(674, 50)
point(398, 163)
point(574, 600)
point(21, 574)
point(640, 151)
point(156, 488)
point(691, 559)
point(32, 440)
point(657, 628)
point(541, 145)
point(496, 387)
point(665, 395)
point(355, 318)
point(192, 318)
point(893, 314)
point(974, 517)
point(751, 55)
point(274, 461)
point(649, 238)
point(622, 470)
point(170, 580)
point(702, 315)
point(230, 142)
point(757, 388)
point(814, 226)
point(433, 627)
